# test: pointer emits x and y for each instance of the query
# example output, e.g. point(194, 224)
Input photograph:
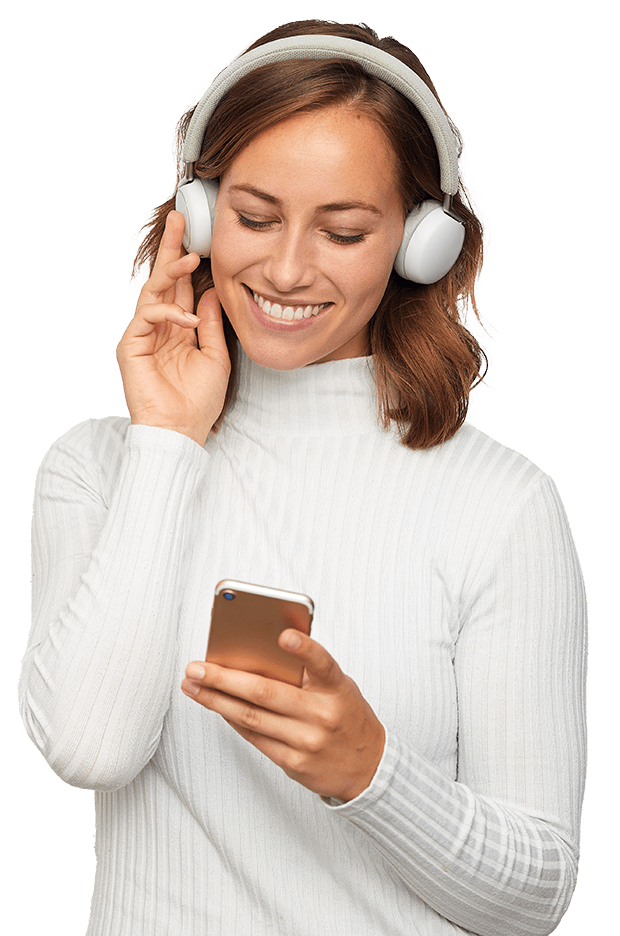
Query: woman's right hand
point(170, 380)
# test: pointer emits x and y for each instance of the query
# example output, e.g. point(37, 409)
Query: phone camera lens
point(228, 595)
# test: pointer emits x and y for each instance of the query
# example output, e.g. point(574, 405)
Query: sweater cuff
point(164, 439)
point(160, 466)
point(377, 787)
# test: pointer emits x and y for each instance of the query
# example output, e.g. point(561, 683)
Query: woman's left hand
point(324, 735)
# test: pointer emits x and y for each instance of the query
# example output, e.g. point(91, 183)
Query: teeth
point(287, 312)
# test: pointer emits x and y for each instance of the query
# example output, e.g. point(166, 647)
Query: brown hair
point(425, 360)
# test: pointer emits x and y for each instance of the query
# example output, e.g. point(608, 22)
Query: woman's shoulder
point(485, 476)
point(89, 455)
point(480, 494)
point(97, 439)
point(472, 447)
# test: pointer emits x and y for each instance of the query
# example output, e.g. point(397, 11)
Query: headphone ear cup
point(196, 202)
point(431, 244)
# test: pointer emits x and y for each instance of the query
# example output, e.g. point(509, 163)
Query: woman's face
point(307, 225)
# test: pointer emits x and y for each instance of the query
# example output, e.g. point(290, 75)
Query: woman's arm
point(495, 851)
point(97, 676)
point(107, 578)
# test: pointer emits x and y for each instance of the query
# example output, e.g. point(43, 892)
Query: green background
point(93, 93)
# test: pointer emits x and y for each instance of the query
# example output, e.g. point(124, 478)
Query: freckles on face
point(308, 223)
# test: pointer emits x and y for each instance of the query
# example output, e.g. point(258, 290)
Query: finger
point(184, 291)
point(151, 315)
point(274, 749)
point(164, 281)
point(211, 328)
point(293, 761)
point(254, 723)
point(172, 262)
point(319, 664)
point(270, 695)
point(250, 717)
point(171, 244)
point(209, 309)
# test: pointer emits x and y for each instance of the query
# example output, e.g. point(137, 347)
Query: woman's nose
point(288, 265)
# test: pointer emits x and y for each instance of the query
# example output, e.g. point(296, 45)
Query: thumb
point(209, 310)
point(210, 329)
point(321, 668)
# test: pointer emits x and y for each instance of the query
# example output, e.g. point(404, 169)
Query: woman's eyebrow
point(256, 192)
point(332, 206)
point(348, 206)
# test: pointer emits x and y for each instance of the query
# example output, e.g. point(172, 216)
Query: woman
point(297, 419)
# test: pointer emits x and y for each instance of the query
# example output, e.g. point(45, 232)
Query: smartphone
point(246, 621)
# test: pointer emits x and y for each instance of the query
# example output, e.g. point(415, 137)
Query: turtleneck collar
point(335, 398)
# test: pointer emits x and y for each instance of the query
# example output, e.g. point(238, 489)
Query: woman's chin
point(265, 355)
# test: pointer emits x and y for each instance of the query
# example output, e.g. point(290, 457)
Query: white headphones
point(433, 235)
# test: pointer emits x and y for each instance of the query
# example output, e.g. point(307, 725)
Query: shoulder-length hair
point(425, 360)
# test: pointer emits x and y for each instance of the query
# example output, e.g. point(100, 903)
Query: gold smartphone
point(246, 621)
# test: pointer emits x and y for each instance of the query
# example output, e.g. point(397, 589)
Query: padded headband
point(374, 61)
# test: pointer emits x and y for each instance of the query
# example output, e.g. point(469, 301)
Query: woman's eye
point(335, 238)
point(253, 225)
point(345, 239)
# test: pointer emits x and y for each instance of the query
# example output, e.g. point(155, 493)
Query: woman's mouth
point(289, 313)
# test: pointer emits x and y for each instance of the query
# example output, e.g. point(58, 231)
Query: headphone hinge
point(447, 207)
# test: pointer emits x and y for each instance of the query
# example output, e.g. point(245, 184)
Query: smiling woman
point(425, 360)
point(308, 217)
point(297, 378)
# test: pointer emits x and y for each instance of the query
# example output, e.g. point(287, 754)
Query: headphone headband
point(374, 61)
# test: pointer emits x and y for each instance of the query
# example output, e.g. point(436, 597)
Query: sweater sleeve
point(495, 849)
point(97, 676)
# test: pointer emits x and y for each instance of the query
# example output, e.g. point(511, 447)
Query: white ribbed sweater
point(446, 584)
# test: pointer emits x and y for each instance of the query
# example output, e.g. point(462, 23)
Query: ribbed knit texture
point(446, 585)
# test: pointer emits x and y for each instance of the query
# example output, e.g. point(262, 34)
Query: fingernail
point(192, 317)
point(293, 642)
point(195, 671)
point(190, 687)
